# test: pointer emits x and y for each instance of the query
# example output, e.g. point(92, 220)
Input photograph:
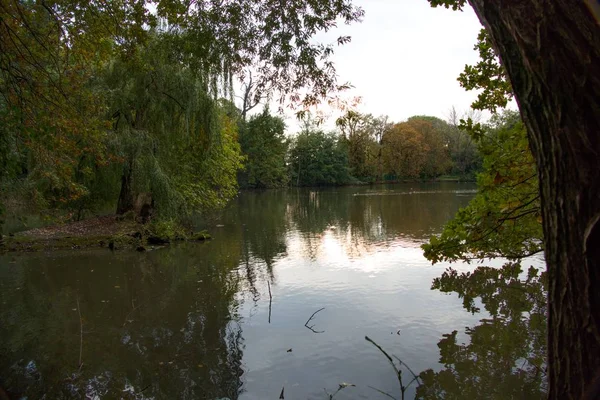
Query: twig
point(382, 392)
point(396, 369)
point(416, 377)
point(80, 334)
point(270, 299)
point(147, 386)
point(341, 386)
point(311, 317)
point(398, 373)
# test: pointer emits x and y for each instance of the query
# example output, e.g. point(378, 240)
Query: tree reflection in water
point(157, 325)
point(505, 354)
point(164, 324)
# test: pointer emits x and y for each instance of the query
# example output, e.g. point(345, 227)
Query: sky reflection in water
point(191, 321)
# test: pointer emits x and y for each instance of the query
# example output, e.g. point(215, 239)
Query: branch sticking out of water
point(311, 317)
point(415, 376)
point(382, 392)
point(270, 299)
point(80, 334)
point(342, 386)
point(396, 369)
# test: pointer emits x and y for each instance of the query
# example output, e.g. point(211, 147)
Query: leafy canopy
point(317, 158)
point(503, 220)
point(64, 104)
point(263, 142)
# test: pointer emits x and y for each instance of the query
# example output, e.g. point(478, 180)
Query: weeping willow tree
point(90, 86)
point(177, 147)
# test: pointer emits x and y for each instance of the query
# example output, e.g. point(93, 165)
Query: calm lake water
point(196, 321)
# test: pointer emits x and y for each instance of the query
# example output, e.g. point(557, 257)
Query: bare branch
point(311, 317)
point(382, 392)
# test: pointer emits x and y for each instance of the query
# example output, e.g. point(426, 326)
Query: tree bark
point(551, 51)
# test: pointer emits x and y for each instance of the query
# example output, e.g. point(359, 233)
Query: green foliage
point(174, 141)
point(423, 147)
point(167, 230)
point(456, 5)
point(317, 159)
point(488, 76)
point(505, 355)
point(361, 134)
point(504, 219)
point(210, 182)
point(263, 142)
point(69, 72)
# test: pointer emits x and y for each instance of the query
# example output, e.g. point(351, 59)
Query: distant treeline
point(363, 149)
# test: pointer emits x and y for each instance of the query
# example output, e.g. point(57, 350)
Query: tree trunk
point(551, 50)
point(126, 200)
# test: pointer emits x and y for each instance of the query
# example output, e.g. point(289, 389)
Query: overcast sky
point(404, 58)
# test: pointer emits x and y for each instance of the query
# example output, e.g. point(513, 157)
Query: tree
point(377, 126)
point(249, 98)
point(438, 156)
point(404, 150)
point(466, 160)
point(52, 54)
point(503, 220)
point(317, 159)
point(179, 150)
point(357, 133)
point(551, 54)
point(263, 143)
point(51, 112)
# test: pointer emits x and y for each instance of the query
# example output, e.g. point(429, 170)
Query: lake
point(231, 318)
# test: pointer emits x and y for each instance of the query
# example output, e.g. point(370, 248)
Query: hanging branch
point(311, 317)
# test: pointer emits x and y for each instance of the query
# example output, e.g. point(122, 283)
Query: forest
point(129, 108)
point(144, 120)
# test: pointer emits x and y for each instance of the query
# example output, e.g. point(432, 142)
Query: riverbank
point(108, 231)
point(357, 182)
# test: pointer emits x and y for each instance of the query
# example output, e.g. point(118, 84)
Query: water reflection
point(504, 357)
point(378, 215)
point(360, 219)
point(156, 325)
point(193, 321)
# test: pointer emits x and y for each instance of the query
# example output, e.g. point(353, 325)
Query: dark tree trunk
point(126, 200)
point(551, 50)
